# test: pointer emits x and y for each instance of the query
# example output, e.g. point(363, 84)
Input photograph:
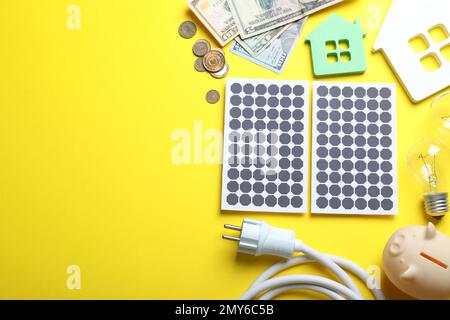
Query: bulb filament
point(431, 171)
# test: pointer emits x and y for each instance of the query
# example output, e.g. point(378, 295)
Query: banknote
point(255, 45)
point(216, 17)
point(254, 17)
point(275, 56)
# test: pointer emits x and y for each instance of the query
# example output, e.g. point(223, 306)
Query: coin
point(214, 60)
point(220, 50)
point(201, 47)
point(212, 96)
point(187, 29)
point(198, 65)
point(222, 73)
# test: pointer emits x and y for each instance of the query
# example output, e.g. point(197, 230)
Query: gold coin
point(201, 47)
point(212, 96)
point(187, 29)
point(214, 60)
point(198, 65)
point(220, 50)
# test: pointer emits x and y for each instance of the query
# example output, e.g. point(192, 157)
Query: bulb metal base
point(436, 204)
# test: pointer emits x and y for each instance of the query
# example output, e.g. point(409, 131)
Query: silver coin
point(201, 47)
point(212, 96)
point(187, 29)
point(198, 65)
point(222, 73)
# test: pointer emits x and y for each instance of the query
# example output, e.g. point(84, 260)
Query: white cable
point(269, 295)
point(283, 281)
point(258, 238)
point(299, 260)
point(331, 265)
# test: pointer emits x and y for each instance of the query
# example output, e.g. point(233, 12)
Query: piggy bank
point(416, 260)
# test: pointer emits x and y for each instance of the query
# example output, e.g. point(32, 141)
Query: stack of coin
point(211, 60)
point(215, 63)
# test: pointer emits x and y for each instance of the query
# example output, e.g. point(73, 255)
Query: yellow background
point(86, 177)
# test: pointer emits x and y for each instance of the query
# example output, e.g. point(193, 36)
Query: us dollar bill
point(216, 16)
point(276, 55)
point(255, 45)
point(254, 17)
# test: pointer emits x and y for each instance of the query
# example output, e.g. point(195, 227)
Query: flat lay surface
point(110, 156)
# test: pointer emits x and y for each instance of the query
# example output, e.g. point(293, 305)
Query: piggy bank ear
point(398, 244)
point(431, 231)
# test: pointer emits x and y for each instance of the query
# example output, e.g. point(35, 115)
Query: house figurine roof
point(334, 24)
point(409, 20)
point(337, 47)
point(406, 17)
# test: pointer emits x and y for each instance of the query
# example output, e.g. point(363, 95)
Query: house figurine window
point(427, 46)
point(338, 51)
point(337, 47)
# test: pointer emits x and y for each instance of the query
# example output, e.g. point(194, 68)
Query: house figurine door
point(337, 47)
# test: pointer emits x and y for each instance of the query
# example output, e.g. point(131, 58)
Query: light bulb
point(440, 112)
point(428, 160)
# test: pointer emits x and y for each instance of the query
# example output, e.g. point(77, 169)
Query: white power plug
point(259, 238)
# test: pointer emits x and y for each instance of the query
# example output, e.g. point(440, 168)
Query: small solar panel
point(265, 151)
point(354, 166)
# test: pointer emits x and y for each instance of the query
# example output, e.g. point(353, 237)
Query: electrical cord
point(258, 238)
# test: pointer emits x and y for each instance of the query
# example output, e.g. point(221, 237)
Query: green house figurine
point(337, 47)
